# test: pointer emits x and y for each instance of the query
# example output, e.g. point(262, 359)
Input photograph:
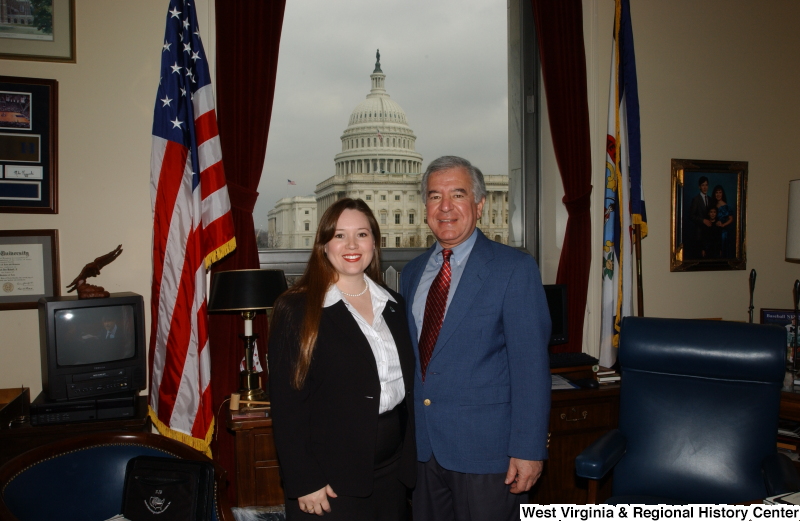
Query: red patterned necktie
point(434, 312)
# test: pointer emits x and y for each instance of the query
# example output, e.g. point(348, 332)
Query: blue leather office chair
point(698, 418)
point(81, 478)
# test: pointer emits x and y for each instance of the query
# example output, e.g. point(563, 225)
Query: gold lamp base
point(250, 388)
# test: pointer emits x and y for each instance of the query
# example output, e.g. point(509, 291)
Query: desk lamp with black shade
point(247, 292)
point(793, 254)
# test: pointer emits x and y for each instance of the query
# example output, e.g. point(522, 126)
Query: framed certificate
point(29, 267)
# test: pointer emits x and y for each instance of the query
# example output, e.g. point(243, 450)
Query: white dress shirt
point(380, 341)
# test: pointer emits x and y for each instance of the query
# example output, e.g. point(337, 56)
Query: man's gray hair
point(448, 162)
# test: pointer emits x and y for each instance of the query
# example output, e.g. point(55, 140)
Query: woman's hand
point(317, 502)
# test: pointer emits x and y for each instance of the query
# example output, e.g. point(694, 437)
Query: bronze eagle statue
point(92, 270)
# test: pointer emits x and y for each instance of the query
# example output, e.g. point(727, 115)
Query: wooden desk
point(258, 479)
point(577, 418)
point(21, 439)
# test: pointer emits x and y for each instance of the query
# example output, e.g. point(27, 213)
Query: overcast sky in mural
point(445, 65)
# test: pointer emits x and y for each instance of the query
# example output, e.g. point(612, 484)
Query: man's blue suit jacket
point(488, 380)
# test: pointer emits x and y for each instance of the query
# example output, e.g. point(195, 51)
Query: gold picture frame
point(56, 43)
point(709, 215)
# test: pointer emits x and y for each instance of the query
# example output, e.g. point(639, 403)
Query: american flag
point(380, 136)
point(192, 228)
point(291, 182)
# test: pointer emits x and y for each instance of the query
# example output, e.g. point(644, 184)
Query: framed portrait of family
point(709, 209)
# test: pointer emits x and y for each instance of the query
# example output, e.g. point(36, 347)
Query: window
point(383, 241)
point(396, 197)
point(307, 212)
point(369, 198)
point(397, 218)
point(308, 241)
point(307, 226)
point(303, 132)
point(411, 218)
point(397, 242)
point(383, 218)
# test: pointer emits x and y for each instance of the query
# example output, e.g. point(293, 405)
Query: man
point(698, 214)
point(110, 326)
point(480, 326)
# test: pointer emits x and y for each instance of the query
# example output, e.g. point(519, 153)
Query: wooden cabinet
point(258, 479)
point(577, 418)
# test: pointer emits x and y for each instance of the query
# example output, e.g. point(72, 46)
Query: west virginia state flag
point(624, 200)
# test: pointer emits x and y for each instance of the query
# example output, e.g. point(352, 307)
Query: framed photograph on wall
point(709, 210)
point(29, 267)
point(28, 145)
point(38, 30)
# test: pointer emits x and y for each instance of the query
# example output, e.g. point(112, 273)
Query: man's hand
point(707, 222)
point(522, 474)
point(317, 502)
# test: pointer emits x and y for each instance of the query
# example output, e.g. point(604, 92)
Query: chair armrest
point(598, 458)
point(780, 474)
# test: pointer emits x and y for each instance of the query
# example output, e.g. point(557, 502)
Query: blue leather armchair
point(698, 415)
point(82, 478)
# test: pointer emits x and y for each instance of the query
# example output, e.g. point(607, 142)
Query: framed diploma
point(29, 267)
point(28, 145)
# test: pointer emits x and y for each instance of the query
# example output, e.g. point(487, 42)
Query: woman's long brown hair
point(319, 276)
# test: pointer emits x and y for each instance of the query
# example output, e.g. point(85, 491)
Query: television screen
point(94, 335)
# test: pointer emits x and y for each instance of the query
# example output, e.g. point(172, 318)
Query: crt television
point(92, 347)
point(556, 295)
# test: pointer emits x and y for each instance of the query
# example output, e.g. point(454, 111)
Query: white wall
point(105, 118)
point(718, 79)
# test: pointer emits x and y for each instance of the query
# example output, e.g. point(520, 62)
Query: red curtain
point(559, 26)
point(248, 39)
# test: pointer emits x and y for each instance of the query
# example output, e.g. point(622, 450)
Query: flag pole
point(637, 231)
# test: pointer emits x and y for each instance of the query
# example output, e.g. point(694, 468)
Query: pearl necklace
point(366, 287)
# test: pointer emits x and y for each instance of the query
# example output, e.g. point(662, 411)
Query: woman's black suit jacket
point(325, 433)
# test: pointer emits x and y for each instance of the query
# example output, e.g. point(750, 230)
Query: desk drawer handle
point(564, 416)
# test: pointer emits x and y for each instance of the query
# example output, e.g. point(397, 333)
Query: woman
point(725, 223)
point(341, 379)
